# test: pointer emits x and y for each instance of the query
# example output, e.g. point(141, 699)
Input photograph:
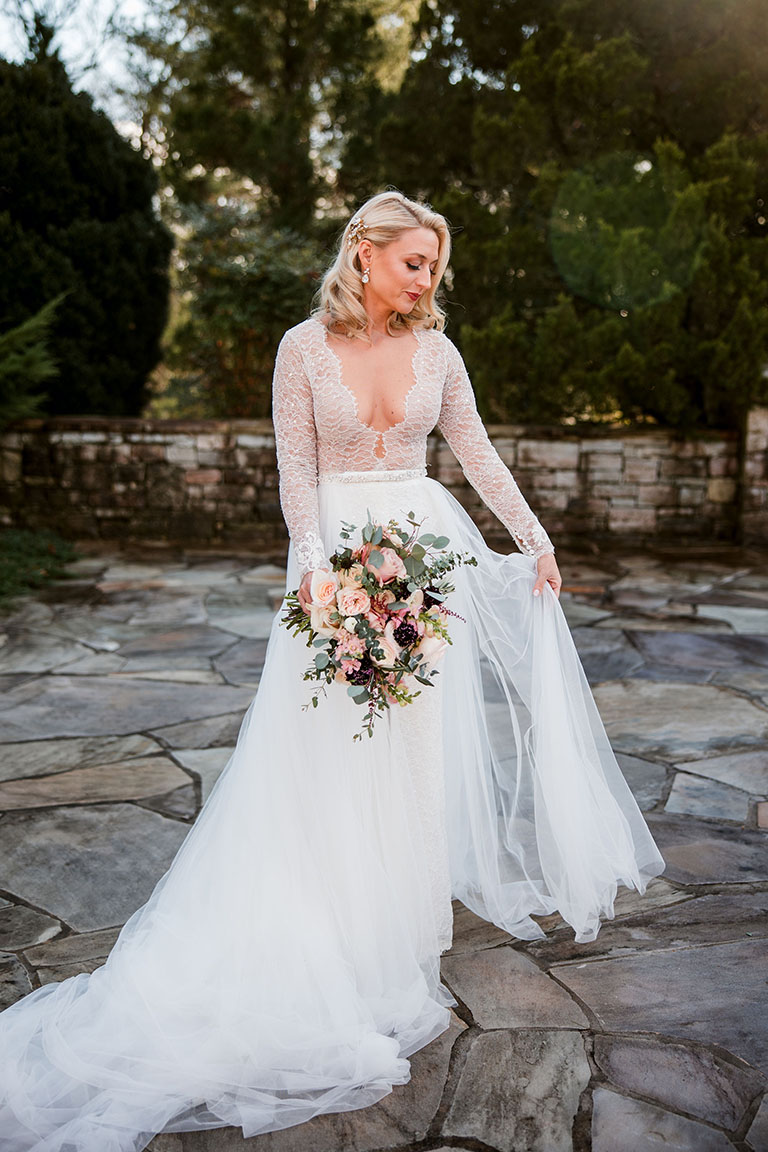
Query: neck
point(378, 314)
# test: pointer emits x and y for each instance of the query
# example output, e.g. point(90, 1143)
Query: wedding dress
point(287, 964)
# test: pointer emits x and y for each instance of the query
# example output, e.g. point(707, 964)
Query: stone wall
point(754, 512)
point(215, 482)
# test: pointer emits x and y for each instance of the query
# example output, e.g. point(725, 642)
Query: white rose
point(431, 649)
point(386, 641)
point(350, 623)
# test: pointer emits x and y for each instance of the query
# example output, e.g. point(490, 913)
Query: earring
point(365, 276)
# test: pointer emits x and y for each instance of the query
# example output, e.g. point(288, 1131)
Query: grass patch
point(30, 559)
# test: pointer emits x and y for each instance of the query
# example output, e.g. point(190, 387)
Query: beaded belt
point(378, 474)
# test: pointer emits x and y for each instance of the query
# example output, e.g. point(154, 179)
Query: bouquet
point(379, 620)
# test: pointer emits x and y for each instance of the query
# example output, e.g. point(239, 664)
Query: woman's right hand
point(304, 596)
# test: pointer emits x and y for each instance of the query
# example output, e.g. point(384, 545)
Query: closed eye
point(417, 268)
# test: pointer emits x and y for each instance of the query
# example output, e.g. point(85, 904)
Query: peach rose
point(320, 619)
point(322, 589)
point(391, 567)
point(353, 601)
point(352, 577)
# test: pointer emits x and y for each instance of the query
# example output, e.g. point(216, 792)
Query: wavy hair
point(340, 295)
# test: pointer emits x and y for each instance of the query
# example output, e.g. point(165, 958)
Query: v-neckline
point(379, 432)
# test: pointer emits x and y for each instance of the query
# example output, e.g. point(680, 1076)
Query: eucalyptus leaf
point(376, 559)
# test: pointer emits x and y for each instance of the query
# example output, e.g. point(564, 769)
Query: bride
point(288, 963)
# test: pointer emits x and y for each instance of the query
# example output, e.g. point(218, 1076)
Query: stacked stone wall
point(754, 512)
point(215, 483)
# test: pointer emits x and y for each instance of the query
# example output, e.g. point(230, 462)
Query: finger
point(539, 585)
point(555, 582)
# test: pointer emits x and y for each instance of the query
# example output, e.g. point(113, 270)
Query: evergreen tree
point(25, 364)
point(242, 97)
point(240, 286)
point(77, 216)
point(604, 165)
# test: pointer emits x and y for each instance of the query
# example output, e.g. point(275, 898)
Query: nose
point(422, 282)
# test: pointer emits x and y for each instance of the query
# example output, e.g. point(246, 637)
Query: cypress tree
point(77, 217)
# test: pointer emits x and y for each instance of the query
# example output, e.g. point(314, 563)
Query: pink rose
point(391, 567)
point(353, 601)
point(322, 589)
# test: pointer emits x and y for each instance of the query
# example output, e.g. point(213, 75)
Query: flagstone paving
point(122, 691)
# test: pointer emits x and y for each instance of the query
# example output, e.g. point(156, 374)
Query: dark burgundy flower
point(362, 674)
point(405, 634)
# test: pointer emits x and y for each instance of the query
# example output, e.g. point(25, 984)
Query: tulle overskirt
point(287, 964)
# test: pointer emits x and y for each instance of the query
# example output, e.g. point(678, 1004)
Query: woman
point(287, 964)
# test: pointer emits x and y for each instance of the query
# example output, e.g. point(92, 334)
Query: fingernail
point(537, 591)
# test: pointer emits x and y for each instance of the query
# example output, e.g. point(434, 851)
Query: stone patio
point(121, 695)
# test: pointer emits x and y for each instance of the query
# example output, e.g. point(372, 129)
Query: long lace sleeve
point(296, 446)
point(460, 424)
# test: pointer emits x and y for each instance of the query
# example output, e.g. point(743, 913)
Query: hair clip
point(356, 232)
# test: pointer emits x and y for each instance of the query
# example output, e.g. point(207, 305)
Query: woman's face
point(400, 272)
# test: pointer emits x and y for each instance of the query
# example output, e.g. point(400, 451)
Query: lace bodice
point(318, 430)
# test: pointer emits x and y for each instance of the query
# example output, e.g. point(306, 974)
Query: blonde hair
point(340, 295)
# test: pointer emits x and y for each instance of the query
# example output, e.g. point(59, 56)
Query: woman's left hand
point(548, 573)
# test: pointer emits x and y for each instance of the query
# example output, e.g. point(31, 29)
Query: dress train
point(287, 964)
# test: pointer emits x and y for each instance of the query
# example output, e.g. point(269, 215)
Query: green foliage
point(77, 218)
point(604, 165)
point(248, 93)
point(241, 285)
point(25, 364)
point(31, 559)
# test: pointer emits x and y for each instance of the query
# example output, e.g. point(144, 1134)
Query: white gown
point(287, 964)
